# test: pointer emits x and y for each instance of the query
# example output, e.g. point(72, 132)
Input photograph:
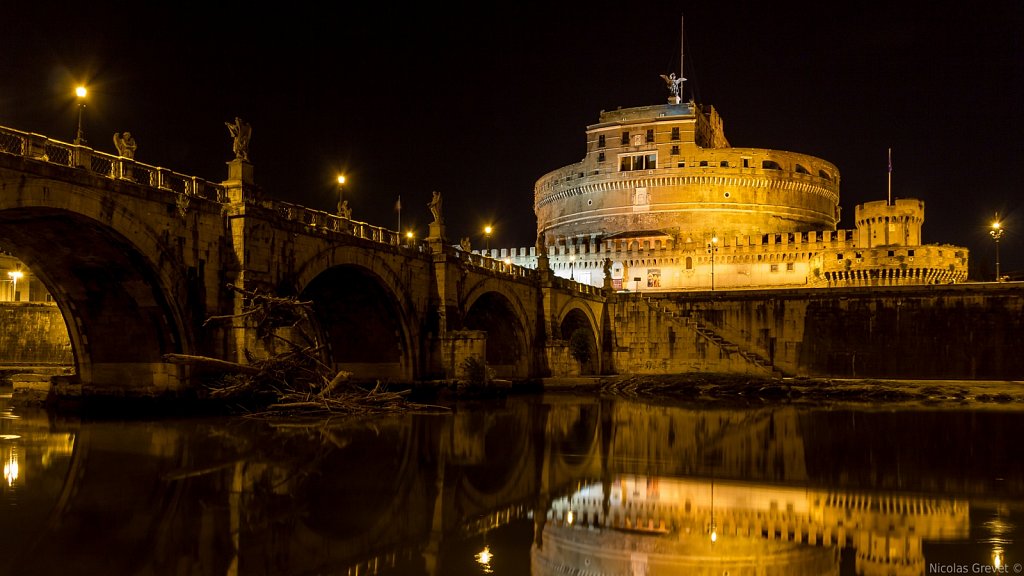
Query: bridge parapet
point(39, 147)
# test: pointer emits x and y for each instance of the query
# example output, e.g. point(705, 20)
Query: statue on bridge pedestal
point(125, 145)
point(241, 131)
point(435, 207)
point(465, 245)
point(344, 210)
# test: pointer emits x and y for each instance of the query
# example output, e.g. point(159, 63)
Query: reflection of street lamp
point(487, 234)
point(572, 261)
point(80, 92)
point(997, 233)
point(712, 248)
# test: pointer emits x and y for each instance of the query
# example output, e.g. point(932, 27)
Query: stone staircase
point(702, 328)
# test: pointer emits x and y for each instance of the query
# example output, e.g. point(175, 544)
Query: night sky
point(479, 101)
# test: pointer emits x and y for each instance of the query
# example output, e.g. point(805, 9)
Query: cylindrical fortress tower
point(880, 223)
point(668, 170)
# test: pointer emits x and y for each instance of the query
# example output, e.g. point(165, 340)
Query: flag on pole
point(890, 160)
point(398, 204)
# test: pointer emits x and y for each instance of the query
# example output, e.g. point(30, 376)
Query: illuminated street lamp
point(487, 234)
point(997, 233)
point(409, 236)
point(341, 190)
point(80, 92)
point(15, 275)
point(572, 262)
point(712, 248)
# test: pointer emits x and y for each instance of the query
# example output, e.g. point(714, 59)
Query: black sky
point(478, 101)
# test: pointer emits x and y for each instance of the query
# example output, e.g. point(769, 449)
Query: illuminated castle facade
point(662, 201)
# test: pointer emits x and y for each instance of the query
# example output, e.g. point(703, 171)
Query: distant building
point(663, 195)
point(18, 284)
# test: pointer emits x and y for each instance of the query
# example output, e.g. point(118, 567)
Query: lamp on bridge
point(487, 235)
point(341, 192)
point(80, 93)
point(712, 248)
point(409, 237)
point(997, 233)
point(572, 262)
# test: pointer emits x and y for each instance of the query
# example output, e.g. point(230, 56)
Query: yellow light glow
point(997, 558)
point(714, 536)
point(408, 235)
point(81, 91)
point(507, 260)
point(487, 229)
point(341, 179)
point(569, 517)
point(714, 239)
point(16, 274)
point(11, 469)
point(484, 559)
point(996, 225)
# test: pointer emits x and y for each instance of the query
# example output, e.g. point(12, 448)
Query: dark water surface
point(546, 485)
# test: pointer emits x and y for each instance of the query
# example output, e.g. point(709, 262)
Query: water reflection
point(559, 485)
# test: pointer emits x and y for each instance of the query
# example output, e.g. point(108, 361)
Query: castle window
point(790, 266)
point(681, 165)
point(650, 135)
point(724, 164)
point(746, 162)
point(801, 170)
point(630, 162)
point(689, 263)
point(770, 165)
point(775, 267)
point(675, 150)
point(824, 175)
point(625, 136)
point(891, 253)
point(703, 163)
point(600, 157)
point(675, 133)
point(600, 141)
point(839, 256)
point(911, 253)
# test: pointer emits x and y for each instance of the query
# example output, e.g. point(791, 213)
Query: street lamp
point(712, 248)
point(997, 233)
point(572, 261)
point(487, 234)
point(15, 275)
point(409, 237)
point(80, 92)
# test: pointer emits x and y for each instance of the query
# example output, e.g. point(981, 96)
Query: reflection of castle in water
point(659, 525)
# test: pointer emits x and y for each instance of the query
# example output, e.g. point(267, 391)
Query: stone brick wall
point(33, 333)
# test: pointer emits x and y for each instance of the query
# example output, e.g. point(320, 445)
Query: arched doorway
point(577, 330)
point(506, 343)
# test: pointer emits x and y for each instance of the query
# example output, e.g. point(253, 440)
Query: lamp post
point(80, 92)
point(997, 233)
point(341, 191)
point(712, 248)
point(15, 275)
point(487, 236)
point(409, 237)
point(572, 262)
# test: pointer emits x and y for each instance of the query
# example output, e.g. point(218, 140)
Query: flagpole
point(399, 206)
point(890, 176)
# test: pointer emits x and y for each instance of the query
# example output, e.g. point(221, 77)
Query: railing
point(40, 147)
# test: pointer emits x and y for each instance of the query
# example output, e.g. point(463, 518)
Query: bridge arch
point(574, 316)
point(491, 308)
point(115, 278)
point(363, 315)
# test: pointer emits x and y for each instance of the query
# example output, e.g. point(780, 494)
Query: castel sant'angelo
point(662, 201)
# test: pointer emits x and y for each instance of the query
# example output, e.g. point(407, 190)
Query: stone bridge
point(138, 258)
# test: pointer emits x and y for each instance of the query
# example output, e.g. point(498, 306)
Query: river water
point(553, 484)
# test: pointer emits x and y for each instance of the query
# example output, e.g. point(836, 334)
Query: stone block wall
point(33, 333)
